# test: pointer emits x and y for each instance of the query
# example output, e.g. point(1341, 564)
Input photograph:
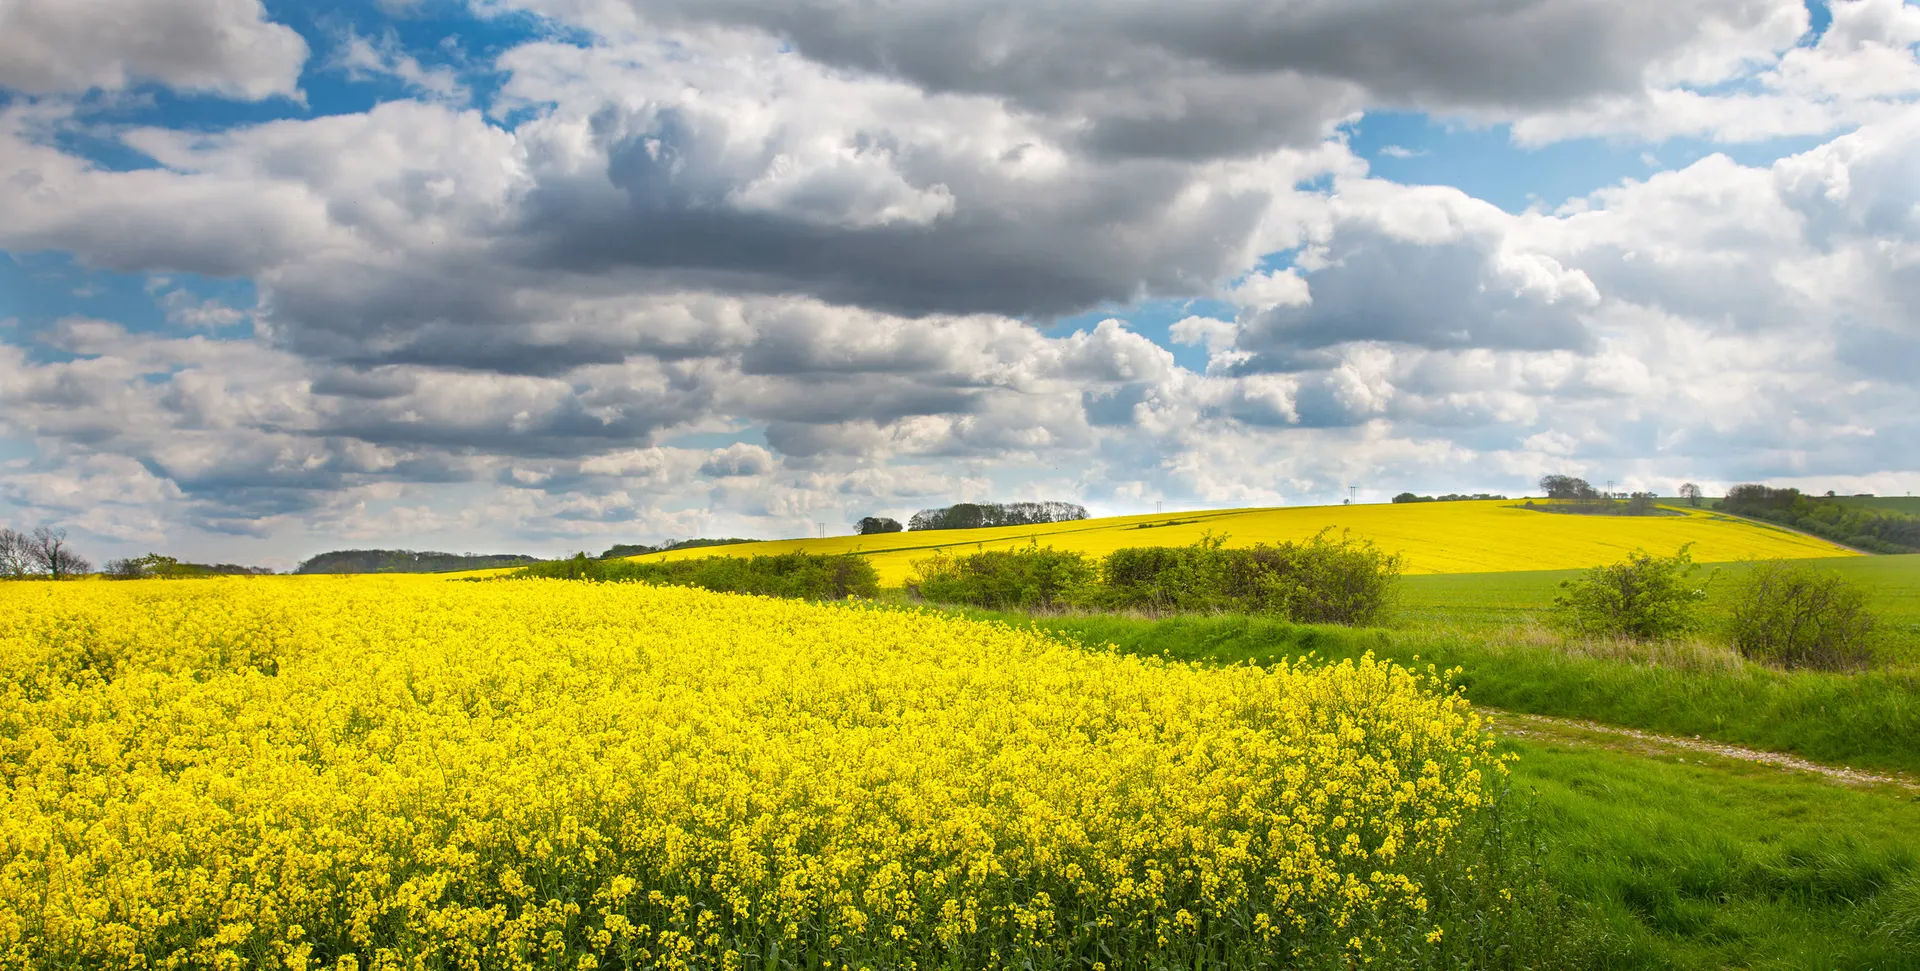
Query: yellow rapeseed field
point(381, 772)
point(1435, 537)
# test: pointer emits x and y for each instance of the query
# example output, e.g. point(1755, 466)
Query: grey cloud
point(376, 383)
point(1224, 78)
point(1891, 353)
point(1111, 233)
point(226, 47)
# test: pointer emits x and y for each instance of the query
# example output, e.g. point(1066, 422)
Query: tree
point(1567, 487)
point(48, 550)
point(1691, 493)
point(874, 525)
point(15, 563)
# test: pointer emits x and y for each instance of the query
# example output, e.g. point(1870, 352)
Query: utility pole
point(1353, 492)
point(1156, 507)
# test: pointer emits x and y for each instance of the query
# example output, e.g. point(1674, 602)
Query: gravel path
point(1578, 731)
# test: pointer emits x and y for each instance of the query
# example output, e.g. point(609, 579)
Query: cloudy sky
point(542, 275)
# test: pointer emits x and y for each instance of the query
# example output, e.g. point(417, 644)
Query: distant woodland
point(978, 515)
point(408, 561)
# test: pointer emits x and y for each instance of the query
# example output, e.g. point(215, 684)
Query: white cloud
point(362, 58)
point(226, 47)
point(1764, 83)
point(473, 332)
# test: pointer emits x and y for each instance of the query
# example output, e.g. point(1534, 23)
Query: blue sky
point(541, 275)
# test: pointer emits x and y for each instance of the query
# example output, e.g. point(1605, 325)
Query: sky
point(549, 275)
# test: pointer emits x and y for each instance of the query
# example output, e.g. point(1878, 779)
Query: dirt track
point(1580, 732)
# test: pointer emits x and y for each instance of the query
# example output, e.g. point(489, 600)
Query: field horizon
point(1475, 536)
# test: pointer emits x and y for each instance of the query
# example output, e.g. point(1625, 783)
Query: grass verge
point(1684, 861)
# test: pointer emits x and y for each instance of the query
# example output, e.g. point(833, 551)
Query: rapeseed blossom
point(386, 773)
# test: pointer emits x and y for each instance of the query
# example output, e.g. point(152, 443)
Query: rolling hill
point(1450, 537)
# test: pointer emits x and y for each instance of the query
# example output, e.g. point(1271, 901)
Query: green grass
point(1491, 601)
point(1678, 864)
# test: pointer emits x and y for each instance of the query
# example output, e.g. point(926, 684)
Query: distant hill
point(1437, 537)
point(408, 561)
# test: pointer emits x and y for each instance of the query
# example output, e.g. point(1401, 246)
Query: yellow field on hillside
point(1436, 537)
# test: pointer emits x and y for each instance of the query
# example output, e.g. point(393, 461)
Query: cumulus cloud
point(850, 234)
point(225, 47)
point(737, 461)
point(1762, 84)
point(1240, 77)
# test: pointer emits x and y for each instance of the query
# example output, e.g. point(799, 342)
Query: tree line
point(408, 561)
point(1874, 530)
point(981, 515)
point(44, 554)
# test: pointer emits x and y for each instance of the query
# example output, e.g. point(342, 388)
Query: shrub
point(1643, 597)
point(1166, 578)
point(1319, 581)
point(1032, 577)
point(1347, 582)
point(1795, 616)
point(802, 576)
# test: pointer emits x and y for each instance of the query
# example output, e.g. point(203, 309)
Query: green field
point(1483, 602)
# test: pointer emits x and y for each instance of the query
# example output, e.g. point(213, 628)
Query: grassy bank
point(1699, 864)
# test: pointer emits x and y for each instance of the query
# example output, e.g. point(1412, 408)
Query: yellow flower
point(399, 772)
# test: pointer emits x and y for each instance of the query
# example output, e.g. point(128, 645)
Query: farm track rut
point(1582, 732)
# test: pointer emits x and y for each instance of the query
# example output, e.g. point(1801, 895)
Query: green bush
point(1794, 616)
point(802, 576)
point(1166, 579)
point(1644, 597)
point(1030, 578)
point(1319, 581)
